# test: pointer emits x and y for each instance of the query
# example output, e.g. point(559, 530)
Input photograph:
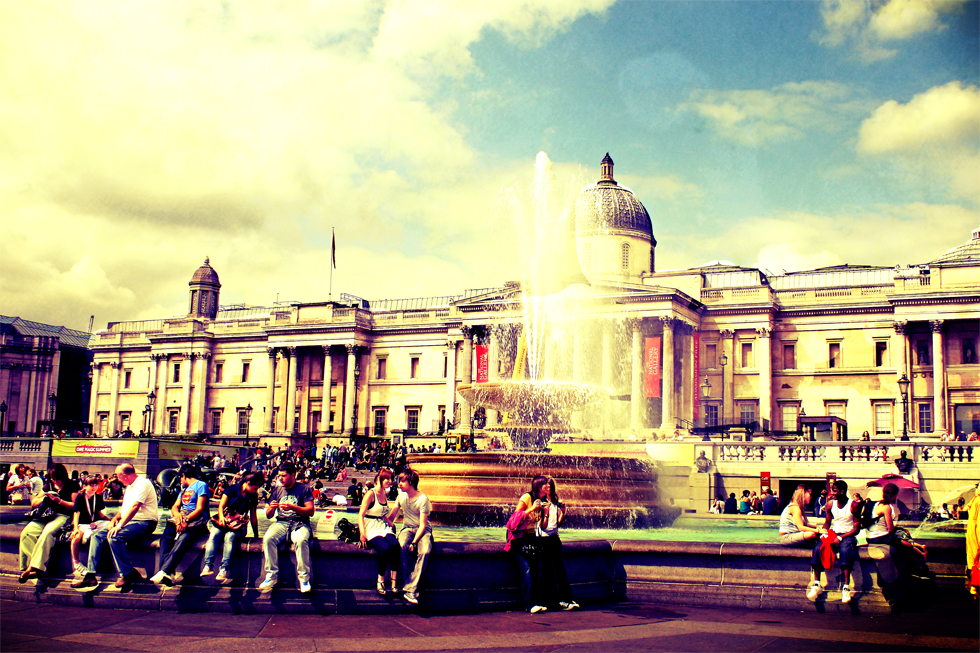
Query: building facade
point(712, 345)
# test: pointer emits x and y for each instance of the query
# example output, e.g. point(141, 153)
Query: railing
point(919, 453)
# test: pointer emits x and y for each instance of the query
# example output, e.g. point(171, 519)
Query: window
point(747, 359)
point(333, 416)
point(127, 378)
point(215, 422)
point(789, 413)
point(834, 355)
point(176, 377)
point(382, 368)
point(415, 367)
point(789, 356)
point(711, 356)
point(881, 354)
point(442, 417)
point(711, 415)
point(922, 353)
point(883, 418)
point(242, 421)
point(626, 256)
point(834, 409)
point(445, 366)
point(275, 419)
point(747, 413)
point(124, 421)
point(219, 372)
point(380, 419)
point(245, 367)
point(296, 421)
point(172, 425)
point(925, 417)
point(412, 420)
point(969, 351)
point(587, 256)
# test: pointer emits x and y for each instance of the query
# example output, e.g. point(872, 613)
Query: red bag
point(827, 549)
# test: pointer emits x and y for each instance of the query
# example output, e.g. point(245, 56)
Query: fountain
point(540, 402)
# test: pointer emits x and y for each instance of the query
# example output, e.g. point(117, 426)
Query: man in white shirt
point(415, 537)
point(136, 519)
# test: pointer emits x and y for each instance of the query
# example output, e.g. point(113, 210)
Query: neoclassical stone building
point(763, 348)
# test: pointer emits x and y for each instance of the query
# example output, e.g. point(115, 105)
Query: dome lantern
point(204, 289)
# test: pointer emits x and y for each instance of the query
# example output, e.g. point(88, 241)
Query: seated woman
point(883, 530)
point(796, 531)
point(376, 530)
point(37, 538)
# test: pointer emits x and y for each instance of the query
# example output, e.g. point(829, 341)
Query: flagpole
point(333, 260)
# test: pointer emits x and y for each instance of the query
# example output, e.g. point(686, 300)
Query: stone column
point(467, 375)
point(290, 408)
point(637, 399)
point(939, 373)
point(325, 424)
point(667, 420)
point(270, 393)
point(608, 367)
point(185, 415)
point(728, 375)
point(161, 410)
point(30, 415)
point(202, 389)
point(764, 358)
point(114, 398)
point(901, 367)
point(450, 379)
point(350, 398)
point(93, 409)
point(154, 370)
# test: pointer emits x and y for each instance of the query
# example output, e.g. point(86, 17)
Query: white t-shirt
point(37, 485)
point(412, 510)
point(141, 491)
point(880, 527)
point(17, 483)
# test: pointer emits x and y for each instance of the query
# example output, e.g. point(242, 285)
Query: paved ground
point(623, 627)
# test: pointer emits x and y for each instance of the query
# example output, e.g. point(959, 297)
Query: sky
point(138, 138)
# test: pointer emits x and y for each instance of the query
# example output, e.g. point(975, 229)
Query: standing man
point(292, 505)
point(136, 519)
point(189, 518)
point(842, 519)
point(415, 537)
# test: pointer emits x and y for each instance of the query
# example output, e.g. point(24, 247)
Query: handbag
point(233, 520)
point(42, 513)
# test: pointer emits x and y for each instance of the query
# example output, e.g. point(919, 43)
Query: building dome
point(968, 253)
point(205, 275)
point(605, 207)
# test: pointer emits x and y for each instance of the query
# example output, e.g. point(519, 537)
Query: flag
point(333, 249)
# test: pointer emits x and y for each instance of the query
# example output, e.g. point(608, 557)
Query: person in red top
point(842, 519)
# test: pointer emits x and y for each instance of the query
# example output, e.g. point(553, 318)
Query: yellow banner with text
point(182, 450)
point(72, 448)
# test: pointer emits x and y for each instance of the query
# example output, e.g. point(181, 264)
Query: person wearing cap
point(903, 463)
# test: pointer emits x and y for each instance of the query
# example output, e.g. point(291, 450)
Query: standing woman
point(523, 540)
point(37, 538)
point(552, 515)
point(376, 530)
point(796, 531)
point(973, 545)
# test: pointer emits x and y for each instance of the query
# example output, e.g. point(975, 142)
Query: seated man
point(842, 518)
point(239, 501)
point(136, 519)
point(292, 505)
point(770, 506)
point(189, 520)
point(415, 537)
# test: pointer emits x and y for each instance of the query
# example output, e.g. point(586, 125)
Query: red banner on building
point(651, 367)
point(765, 482)
point(696, 384)
point(482, 364)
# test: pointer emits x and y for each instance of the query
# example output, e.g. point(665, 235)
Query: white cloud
point(936, 134)
point(866, 25)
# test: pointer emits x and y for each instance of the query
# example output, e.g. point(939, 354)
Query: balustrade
point(857, 452)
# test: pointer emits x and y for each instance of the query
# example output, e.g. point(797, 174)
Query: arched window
point(626, 256)
point(587, 256)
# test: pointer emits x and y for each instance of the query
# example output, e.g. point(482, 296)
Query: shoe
point(26, 575)
point(267, 585)
point(410, 598)
point(304, 587)
point(206, 571)
point(80, 570)
point(162, 578)
point(813, 591)
point(845, 595)
point(534, 609)
point(222, 577)
point(570, 605)
point(86, 583)
point(381, 588)
point(134, 576)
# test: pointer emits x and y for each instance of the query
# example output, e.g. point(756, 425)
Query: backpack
point(867, 517)
point(347, 532)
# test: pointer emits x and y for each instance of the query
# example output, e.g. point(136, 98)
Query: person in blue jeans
point(842, 519)
point(189, 518)
point(136, 520)
point(238, 501)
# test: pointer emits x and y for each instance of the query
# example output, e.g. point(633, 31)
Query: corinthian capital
point(937, 325)
point(900, 327)
point(764, 332)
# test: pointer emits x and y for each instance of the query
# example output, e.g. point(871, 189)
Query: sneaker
point(410, 598)
point(570, 605)
point(845, 595)
point(222, 576)
point(267, 585)
point(86, 583)
point(80, 570)
point(304, 587)
point(534, 609)
point(813, 591)
point(123, 582)
point(206, 571)
point(162, 578)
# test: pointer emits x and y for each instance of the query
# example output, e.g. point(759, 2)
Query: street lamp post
point(705, 394)
point(150, 399)
point(903, 387)
point(3, 417)
point(52, 400)
point(248, 421)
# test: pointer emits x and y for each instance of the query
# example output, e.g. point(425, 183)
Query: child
point(89, 516)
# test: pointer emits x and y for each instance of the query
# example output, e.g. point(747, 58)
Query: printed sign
point(696, 385)
point(651, 367)
point(72, 448)
point(482, 364)
point(182, 450)
point(765, 481)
